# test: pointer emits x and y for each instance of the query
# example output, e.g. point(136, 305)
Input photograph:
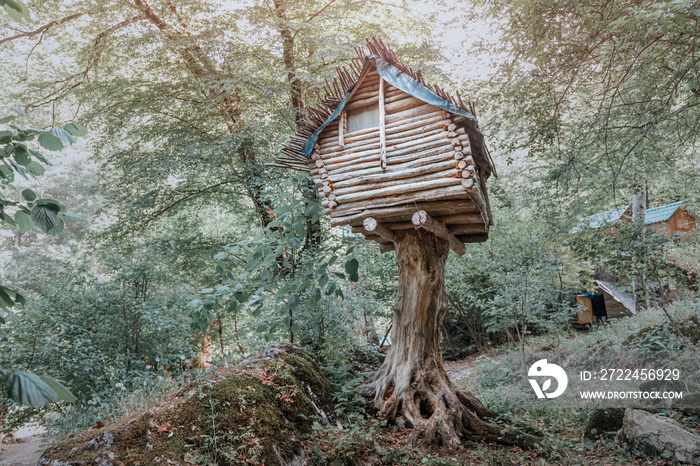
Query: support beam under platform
point(422, 219)
point(372, 226)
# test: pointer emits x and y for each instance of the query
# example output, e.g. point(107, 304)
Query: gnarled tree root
point(442, 416)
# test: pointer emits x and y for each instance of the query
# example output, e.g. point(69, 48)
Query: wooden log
point(355, 149)
point(365, 92)
point(293, 167)
point(406, 103)
point(451, 127)
point(369, 189)
point(410, 113)
point(369, 136)
point(459, 219)
point(372, 226)
point(476, 238)
point(396, 213)
point(459, 155)
point(468, 183)
point(411, 187)
point(329, 134)
point(394, 174)
point(361, 103)
point(382, 126)
point(468, 229)
point(393, 152)
point(438, 194)
point(332, 204)
point(422, 219)
point(342, 125)
point(396, 96)
point(419, 159)
point(466, 174)
point(461, 165)
point(387, 247)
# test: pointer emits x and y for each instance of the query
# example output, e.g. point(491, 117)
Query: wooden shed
point(671, 219)
point(387, 151)
point(667, 219)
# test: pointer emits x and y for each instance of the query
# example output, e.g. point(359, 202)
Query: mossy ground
point(255, 413)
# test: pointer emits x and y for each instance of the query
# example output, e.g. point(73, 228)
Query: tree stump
point(412, 388)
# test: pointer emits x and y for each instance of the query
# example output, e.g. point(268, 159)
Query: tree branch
point(43, 28)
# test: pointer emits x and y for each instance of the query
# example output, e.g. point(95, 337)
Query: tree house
point(406, 165)
point(389, 152)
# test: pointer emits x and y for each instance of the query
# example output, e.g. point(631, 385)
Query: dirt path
point(26, 448)
point(458, 370)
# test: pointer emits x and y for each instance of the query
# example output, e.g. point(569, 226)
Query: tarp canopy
point(398, 79)
point(618, 295)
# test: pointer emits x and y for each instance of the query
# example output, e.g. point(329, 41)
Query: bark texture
point(412, 388)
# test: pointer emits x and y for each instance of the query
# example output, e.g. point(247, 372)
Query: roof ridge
point(338, 89)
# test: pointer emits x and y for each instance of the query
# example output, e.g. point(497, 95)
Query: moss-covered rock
point(690, 327)
point(255, 413)
point(604, 421)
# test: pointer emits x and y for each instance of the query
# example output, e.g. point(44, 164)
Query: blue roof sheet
point(654, 215)
point(398, 79)
point(662, 213)
point(603, 218)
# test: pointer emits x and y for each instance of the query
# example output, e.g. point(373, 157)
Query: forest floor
point(499, 379)
point(24, 447)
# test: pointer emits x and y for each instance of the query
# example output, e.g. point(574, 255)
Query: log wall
point(429, 166)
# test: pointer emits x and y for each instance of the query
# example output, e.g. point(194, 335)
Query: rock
point(653, 434)
point(604, 421)
point(258, 411)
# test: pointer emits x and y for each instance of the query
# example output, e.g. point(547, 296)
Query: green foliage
point(101, 337)
point(283, 286)
point(33, 390)
point(513, 286)
point(16, 9)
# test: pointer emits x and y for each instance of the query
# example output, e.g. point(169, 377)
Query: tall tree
point(585, 85)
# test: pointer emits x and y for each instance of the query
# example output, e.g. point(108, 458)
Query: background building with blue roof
point(667, 219)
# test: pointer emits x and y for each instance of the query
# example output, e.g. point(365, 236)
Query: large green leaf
point(76, 129)
point(18, 12)
point(63, 135)
point(22, 155)
point(50, 142)
point(29, 195)
point(351, 267)
point(45, 216)
point(8, 298)
point(39, 156)
point(7, 173)
point(15, 109)
point(28, 389)
point(57, 229)
point(62, 392)
point(24, 220)
point(7, 119)
point(35, 168)
point(77, 218)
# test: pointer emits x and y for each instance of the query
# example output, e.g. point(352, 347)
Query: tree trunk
point(412, 388)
